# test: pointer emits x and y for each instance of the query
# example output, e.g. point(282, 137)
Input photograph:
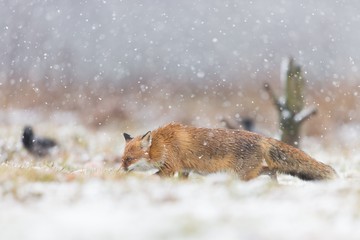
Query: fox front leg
point(165, 172)
point(183, 175)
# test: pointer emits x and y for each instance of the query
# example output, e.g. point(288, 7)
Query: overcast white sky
point(178, 40)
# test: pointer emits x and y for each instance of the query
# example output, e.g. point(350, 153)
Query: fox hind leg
point(248, 173)
point(270, 172)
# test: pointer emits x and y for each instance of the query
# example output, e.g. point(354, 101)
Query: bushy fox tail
point(286, 159)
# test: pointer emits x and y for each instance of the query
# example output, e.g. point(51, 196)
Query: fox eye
point(128, 159)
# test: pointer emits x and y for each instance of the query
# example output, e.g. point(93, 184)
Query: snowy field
point(83, 72)
point(80, 193)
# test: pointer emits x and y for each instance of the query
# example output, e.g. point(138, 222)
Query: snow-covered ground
point(78, 194)
point(215, 207)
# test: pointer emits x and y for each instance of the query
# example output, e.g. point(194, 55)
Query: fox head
point(136, 155)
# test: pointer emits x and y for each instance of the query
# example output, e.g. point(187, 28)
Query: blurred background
point(139, 64)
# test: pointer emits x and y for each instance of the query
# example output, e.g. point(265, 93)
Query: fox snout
point(126, 163)
point(142, 164)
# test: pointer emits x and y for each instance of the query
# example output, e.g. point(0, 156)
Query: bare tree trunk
point(291, 107)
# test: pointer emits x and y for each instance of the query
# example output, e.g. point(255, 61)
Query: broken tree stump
point(291, 106)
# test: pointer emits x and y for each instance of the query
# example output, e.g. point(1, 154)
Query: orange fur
point(179, 148)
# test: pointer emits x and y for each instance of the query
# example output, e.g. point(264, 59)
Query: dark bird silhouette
point(37, 146)
point(248, 124)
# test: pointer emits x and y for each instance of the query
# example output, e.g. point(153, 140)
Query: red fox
point(183, 149)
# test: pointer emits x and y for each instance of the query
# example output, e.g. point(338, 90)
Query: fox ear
point(127, 137)
point(146, 140)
